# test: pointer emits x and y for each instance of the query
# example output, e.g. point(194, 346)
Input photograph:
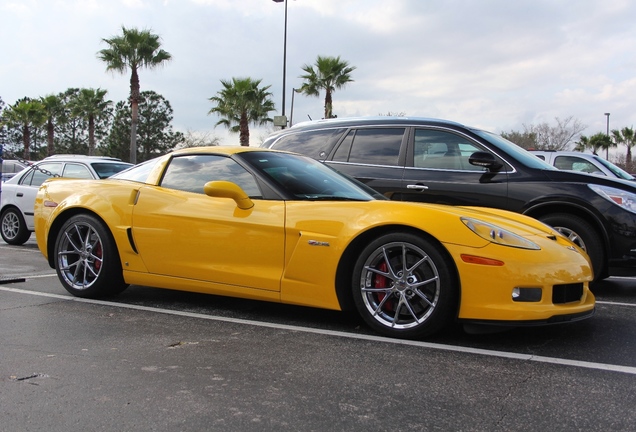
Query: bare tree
point(557, 137)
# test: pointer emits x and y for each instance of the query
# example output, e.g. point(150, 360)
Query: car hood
point(577, 177)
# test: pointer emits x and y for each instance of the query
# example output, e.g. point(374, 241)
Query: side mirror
point(486, 160)
point(226, 189)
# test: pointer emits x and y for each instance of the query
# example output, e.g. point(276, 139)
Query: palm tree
point(25, 113)
point(627, 138)
point(134, 49)
point(53, 106)
point(330, 74)
point(595, 142)
point(90, 105)
point(240, 103)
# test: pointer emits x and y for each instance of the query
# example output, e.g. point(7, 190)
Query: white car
point(18, 193)
point(582, 162)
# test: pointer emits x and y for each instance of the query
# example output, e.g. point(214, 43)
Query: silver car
point(582, 162)
point(18, 193)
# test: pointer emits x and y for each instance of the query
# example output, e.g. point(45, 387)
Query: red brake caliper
point(381, 282)
point(98, 253)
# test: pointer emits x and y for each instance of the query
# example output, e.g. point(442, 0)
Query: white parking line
point(615, 303)
point(502, 354)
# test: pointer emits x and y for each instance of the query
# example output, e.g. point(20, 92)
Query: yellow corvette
point(275, 226)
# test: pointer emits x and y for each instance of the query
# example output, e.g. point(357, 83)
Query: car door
point(374, 155)
point(438, 171)
point(25, 191)
point(181, 232)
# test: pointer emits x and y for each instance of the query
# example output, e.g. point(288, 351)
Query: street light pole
point(284, 54)
point(607, 133)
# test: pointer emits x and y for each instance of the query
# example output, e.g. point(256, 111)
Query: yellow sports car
point(275, 226)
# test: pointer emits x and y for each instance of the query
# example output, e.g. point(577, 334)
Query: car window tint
point(343, 150)
point(190, 173)
point(42, 172)
point(73, 170)
point(375, 146)
point(105, 170)
point(314, 144)
point(443, 150)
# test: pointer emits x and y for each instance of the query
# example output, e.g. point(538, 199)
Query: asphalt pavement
point(158, 360)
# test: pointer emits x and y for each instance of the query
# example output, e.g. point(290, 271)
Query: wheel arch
point(344, 272)
point(57, 224)
point(582, 212)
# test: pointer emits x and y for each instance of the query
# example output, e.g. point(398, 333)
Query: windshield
point(306, 178)
point(139, 172)
point(521, 154)
point(616, 170)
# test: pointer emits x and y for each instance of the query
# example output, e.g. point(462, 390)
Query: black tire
point(583, 235)
point(13, 227)
point(86, 259)
point(412, 304)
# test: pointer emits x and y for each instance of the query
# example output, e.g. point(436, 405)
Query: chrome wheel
point(572, 236)
point(13, 227)
point(80, 255)
point(400, 285)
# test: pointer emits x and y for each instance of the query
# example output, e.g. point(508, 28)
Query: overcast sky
point(494, 64)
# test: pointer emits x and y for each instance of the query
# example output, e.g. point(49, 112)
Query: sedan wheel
point(582, 234)
point(13, 227)
point(86, 259)
point(404, 286)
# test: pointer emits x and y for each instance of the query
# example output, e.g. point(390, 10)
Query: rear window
point(315, 144)
point(104, 170)
point(379, 146)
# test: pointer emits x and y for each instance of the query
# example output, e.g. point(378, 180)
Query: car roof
point(224, 150)
point(371, 120)
point(79, 158)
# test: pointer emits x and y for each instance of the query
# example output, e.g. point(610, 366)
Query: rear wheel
point(583, 235)
point(86, 259)
point(13, 227)
point(404, 286)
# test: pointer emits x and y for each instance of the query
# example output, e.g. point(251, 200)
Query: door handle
point(19, 194)
point(417, 187)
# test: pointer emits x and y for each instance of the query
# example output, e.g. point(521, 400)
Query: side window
point(74, 170)
point(379, 146)
point(43, 172)
point(574, 163)
point(315, 144)
point(443, 150)
point(191, 173)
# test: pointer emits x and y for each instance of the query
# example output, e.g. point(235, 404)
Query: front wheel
point(86, 259)
point(582, 234)
point(405, 286)
point(13, 227)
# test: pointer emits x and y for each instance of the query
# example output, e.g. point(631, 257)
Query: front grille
point(567, 293)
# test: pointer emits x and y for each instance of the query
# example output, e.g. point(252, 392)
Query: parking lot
point(165, 360)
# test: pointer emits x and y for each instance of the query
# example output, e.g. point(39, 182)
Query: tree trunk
point(91, 136)
point(134, 104)
point(328, 105)
point(244, 131)
point(50, 138)
point(26, 139)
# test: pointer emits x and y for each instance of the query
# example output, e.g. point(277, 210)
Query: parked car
point(266, 225)
point(18, 193)
point(582, 162)
point(10, 168)
point(438, 161)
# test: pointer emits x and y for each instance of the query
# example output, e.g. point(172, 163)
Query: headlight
point(497, 235)
point(626, 200)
